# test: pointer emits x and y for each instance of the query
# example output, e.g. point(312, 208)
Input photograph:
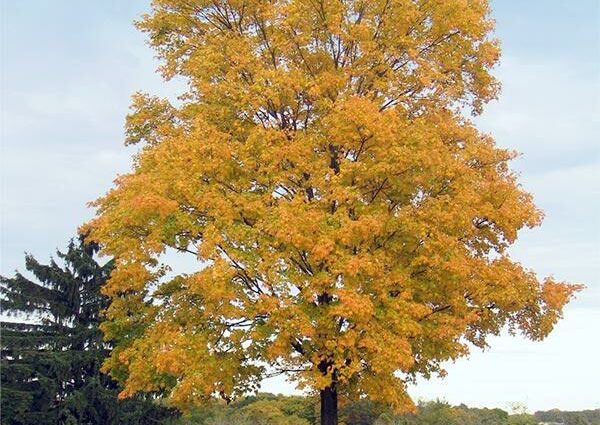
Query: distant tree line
point(583, 417)
point(269, 409)
point(52, 351)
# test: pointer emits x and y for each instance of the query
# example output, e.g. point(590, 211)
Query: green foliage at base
point(269, 409)
point(262, 409)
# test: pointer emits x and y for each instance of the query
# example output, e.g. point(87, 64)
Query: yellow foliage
point(350, 224)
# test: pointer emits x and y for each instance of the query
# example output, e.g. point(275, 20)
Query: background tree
point(522, 419)
point(351, 225)
point(362, 412)
point(434, 413)
point(52, 349)
point(260, 409)
point(583, 417)
point(272, 409)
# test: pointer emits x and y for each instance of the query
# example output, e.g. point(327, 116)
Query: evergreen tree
point(52, 348)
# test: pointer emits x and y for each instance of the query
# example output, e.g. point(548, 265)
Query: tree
point(362, 412)
point(351, 225)
point(439, 412)
point(522, 419)
point(583, 417)
point(52, 349)
point(261, 409)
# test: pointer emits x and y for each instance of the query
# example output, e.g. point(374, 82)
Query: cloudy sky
point(69, 67)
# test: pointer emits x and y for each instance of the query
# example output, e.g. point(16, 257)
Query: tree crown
point(351, 225)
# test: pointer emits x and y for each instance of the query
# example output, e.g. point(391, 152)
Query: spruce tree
point(52, 348)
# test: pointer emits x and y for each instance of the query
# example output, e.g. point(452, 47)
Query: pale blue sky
point(68, 70)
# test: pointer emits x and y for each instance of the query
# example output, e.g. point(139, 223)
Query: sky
point(68, 69)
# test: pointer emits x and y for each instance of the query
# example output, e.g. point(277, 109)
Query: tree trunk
point(329, 406)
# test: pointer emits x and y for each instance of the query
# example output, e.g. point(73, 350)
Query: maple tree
point(351, 225)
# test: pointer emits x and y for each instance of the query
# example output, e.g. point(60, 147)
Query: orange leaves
point(355, 307)
point(359, 231)
point(388, 389)
point(340, 207)
point(142, 124)
point(322, 249)
point(356, 120)
point(557, 294)
point(126, 277)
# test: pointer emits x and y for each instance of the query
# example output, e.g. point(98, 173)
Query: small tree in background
point(351, 226)
point(52, 349)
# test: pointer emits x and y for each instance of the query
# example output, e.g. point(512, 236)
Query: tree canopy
point(351, 225)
